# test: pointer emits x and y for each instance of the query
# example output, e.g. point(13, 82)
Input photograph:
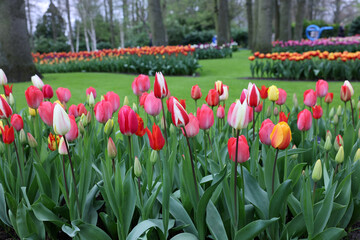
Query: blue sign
point(313, 32)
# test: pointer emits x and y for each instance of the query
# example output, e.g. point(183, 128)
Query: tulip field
point(155, 157)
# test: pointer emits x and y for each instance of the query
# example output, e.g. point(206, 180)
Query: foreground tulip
point(220, 112)
point(273, 93)
point(265, 131)
point(225, 95)
point(33, 97)
point(283, 117)
point(7, 134)
point(63, 147)
point(317, 111)
point(304, 120)
point(17, 122)
point(329, 97)
point(127, 121)
point(179, 115)
point(46, 112)
point(111, 150)
point(212, 98)
point(192, 128)
point(63, 94)
point(8, 90)
point(160, 86)
point(243, 149)
point(280, 136)
point(339, 158)
point(61, 121)
point(170, 103)
point(253, 96)
point(141, 130)
point(239, 118)
point(37, 82)
point(47, 91)
point(310, 98)
point(282, 97)
point(74, 131)
point(322, 88)
point(90, 90)
point(114, 99)
point(73, 110)
point(140, 84)
point(196, 92)
point(103, 111)
point(263, 92)
point(156, 138)
point(3, 79)
point(152, 105)
point(53, 142)
point(219, 87)
point(345, 93)
point(205, 116)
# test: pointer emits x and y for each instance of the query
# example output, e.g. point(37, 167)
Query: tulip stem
point(166, 140)
point(73, 176)
point(65, 181)
point(195, 107)
point(192, 166)
point(254, 121)
point(314, 189)
point(344, 116)
point(113, 165)
point(327, 110)
point(130, 155)
point(235, 178)
point(327, 160)
point(17, 156)
point(352, 113)
point(139, 187)
point(205, 153)
point(274, 168)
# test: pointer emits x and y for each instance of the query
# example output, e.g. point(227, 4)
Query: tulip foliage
point(71, 172)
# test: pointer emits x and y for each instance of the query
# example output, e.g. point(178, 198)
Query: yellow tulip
point(273, 93)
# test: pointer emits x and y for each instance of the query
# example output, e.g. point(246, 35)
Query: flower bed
point(211, 51)
point(310, 65)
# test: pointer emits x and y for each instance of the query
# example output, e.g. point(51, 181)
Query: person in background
point(341, 30)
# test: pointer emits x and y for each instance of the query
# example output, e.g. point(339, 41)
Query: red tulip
point(212, 98)
point(304, 120)
point(152, 105)
point(33, 97)
point(127, 120)
point(220, 113)
point(5, 109)
point(140, 84)
point(160, 86)
point(73, 110)
point(81, 109)
point(263, 92)
point(192, 128)
point(179, 115)
point(329, 97)
point(74, 131)
point(46, 112)
point(219, 87)
point(250, 114)
point(114, 99)
point(317, 111)
point(183, 103)
point(17, 122)
point(310, 98)
point(103, 111)
point(63, 94)
point(47, 91)
point(259, 107)
point(140, 130)
point(253, 96)
point(265, 130)
point(8, 89)
point(243, 153)
point(282, 97)
point(156, 138)
point(345, 93)
point(196, 92)
point(143, 98)
point(7, 134)
point(243, 95)
point(322, 88)
point(205, 116)
point(91, 90)
point(283, 117)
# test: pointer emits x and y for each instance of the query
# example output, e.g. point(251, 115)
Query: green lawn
point(228, 70)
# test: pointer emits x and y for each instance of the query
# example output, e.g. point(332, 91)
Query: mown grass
point(228, 70)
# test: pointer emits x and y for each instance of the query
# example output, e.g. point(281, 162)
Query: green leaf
point(253, 229)
point(129, 196)
point(279, 198)
point(184, 236)
point(143, 226)
point(215, 223)
point(306, 206)
point(331, 234)
point(89, 231)
point(45, 215)
point(292, 152)
point(3, 212)
point(296, 173)
point(294, 228)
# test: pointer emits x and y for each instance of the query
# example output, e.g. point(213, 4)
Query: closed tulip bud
point(2, 146)
point(239, 118)
point(353, 103)
point(153, 156)
point(62, 147)
point(172, 129)
point(268, 112)
point(137, 167)
point(3, 79)
point(304, 120)
point(102, 98)
point(273, 93)
point(339, 158)
point(276, 111)
point(294, 156)
point(295, 101)
point(81, 127)
point(126, 101)
point(32, 112)
point(134, 107)
point(327, 145)
point(61, 121)
point(332, 112)
point(339, 110)
point(31, 140)
point(109, 126)
point(111, 149)
point(338, 142)
point(357, 155)
point(328, 133)
point(317, 171)
point(11, 99)
point(91, 100)
point(37, 82)
point(265, 130)
point(88, 117)
point(83, 120)
point(336, 119)
point(22, 137)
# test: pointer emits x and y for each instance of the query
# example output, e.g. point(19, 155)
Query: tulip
point(111, 149)
point(259, 107)
point(62, 147)
point(196, 92)
point(81, 128)
point(329, 97)
point(103, 111)
point(109, 126)
point(89, 91)
point(11, 99)
point(339, 110)
point(160, 86)
point(268, 112)
point(338, 142)
point(31, 140)
point(357, 155)
point(179, 115)
point(304, 120)
point(134, 107)
point(225, 95)
point(328, 133)
point(137, 168)
point(336, 119)
point(114, 99)
point(33, 97)
point(239, 117)
point(81, 109)
point(322, 88)
point(327, 145)
point(17, 122)
point(37, 82)
point(219, 87)
point(317, 172)
point(140, 84)
point(53, 142)
point(152, 105)
point(295, 101)
point(345, 93)
point(7, 134)
point(339, 158)
point(220, 113)
point(282, 97)
point(32, 112)
point(205, 116)
point(348, 84)
point(63, 94)
point(47, 91)
point(22, 136)
point(141, 130)
point(8, 90)
point(127, 121)
point(192, 128)
point(3, 79)
point(253, 96)
point(143, 98)
point(317, 111)
point(156, 138)
point(73, 110)
point(243, 95)
point(263, 92)
point(74, 131)
point(243, 153)
point(212, 98)
point(61, 121)
point(310, 98)
point(183, 103)
point(126, 101)
point(273, 93)
point(276, 112)
point(280, 136)
point(283, 117)
point(153, 156)
point(46, 112)
point(265, 131)
point(91, 100)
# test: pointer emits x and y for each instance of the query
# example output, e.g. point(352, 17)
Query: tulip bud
point(83, 120)
point(339, 110)
point(172, 129)
point(317, 171)
point(32, 112)
point(134, 107)
point(358, 106)
point(111, 149)
point(88, 117)
point(295, 101)
point(102, 98)
point(62, 147)
point(22, 137)
point(11, 99)
point(353, 103)
point(126, 101)
point(154, 156)
point(359, 134)
point(61, 122)
point(2, 147)
point(276, 111)
point(294, 156)
point(332, 112)
point(328, 133)
point(81, 127)
point(339, 158)
point(357, 155)
point(31, 140)
point(91, 100)
point(137, 167)
point(109, 126)
point(268, 112)
point(338, 142)
point(336, 119)
point(327, 145)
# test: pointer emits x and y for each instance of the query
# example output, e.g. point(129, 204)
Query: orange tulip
point(281, 136)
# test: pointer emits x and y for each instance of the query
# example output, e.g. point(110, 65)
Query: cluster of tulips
point(270, 173)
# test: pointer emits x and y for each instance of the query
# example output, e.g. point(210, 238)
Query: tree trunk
point(30, 24)
point(125, 21)
point(264, 32)
point(337, 11)
point(256, 20)
point(223, 34)
point(53, 21)
point(216, 15)
point(69, 23)
point(92, 34)
point(106, 10)
point(156, 23)
point(15, 55)
point(285, 20)
point(249, 16)
point(300, 15)
point(310, 10)
point(86, 38)
point(276, 19)
point(77, 36)
point(111, 13)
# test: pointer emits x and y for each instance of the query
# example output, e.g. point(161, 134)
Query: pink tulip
point(103, 111)
point(73, 110)
point(62, 147)
point(33, 97)
point(63, 94)
point(140, 84)
point(243, 95)
point(259, 107)
point(17, 122)
point(250, 114)
point(192, 128)
point(220, 113)
point(322, 88)
point(282, 97)
point(5, 109)
point(47, 91)
point(74, 131)
point(81, 109)
point(127, 120)
point(304, 120)
point(196, 92)
point(91, 90)
point(143, 98)
point(230, 112)
point(265, 130)
point(205, 116)
point(114, 99)
point(310, 98)
point(46, 112)
point(243, 153)
point(152, 105)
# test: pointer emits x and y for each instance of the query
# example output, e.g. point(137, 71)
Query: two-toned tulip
point(37, 82)
point(219, 87)
point(238, 116)
point(33, 97)
point(179, 115)
point(160, 86)
point(53, 142)
point(329, 97)
point(5, 109)
point(212, 98)
point(156, 138)
point(225, 95)
point(3, 79)
point(281, 136)
point(8, 90)
point(127, 120)
point(253, 96)
point(338, 142)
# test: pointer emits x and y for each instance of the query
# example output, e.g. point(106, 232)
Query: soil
point(354, 232)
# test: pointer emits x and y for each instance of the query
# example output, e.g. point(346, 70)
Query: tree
point(337, 11)
point(69, 24)
point(285, 20)
point(276, 18)
point(156, 23)
point(249, 14)
point(223, 29)
point(15, 55)
point(299, 19)
point(111, 13)
point(264, 31)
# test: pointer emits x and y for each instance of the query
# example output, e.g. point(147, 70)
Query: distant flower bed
point(336, 44)
point(211, 51)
